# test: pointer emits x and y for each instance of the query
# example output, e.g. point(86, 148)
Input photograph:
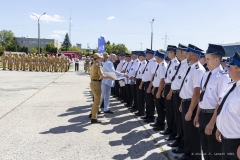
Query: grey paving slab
point(48, 119)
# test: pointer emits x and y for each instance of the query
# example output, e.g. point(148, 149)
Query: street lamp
point(38, 30)
point(152, 32)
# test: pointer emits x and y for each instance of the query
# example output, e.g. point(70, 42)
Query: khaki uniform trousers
point(4, 64)
point(96, 91)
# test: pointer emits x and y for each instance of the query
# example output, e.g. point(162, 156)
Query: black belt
point(167, 84)
point(186, 100)
point(176, 91)
point(96, 80)
point(207, 110)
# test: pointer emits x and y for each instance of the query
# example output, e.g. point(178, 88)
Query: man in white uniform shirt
point(131, 74)
point(214, 82)
point(190, 93)
point(158, 84)
point(138, 79)
point(228, 111)
point(169, 108)
point(148, 74)
point(128, 90)
point(119, 69)
point(177, 80)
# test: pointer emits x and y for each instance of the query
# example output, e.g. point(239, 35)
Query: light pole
point(152, 32)
point(141, 46)
point(38, 30)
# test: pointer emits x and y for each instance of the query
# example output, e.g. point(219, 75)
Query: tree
point(66, 43)
point(34, 50)
point(7, 40)
point(115, 48)
point(43, 50)
point(50, 47)
point(24, 49)
point(2, 49)
point(74, 48)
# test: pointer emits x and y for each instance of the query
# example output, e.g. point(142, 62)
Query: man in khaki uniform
point(49, 63)
point(9, 59)
point(37, 63)
point(30, 62)
point(59, 63)
point(17, 61)
point(23, 61)
point(41, 60)
point(56, 63)
point(87, 64)
point(65, 64)
point(4, 60)
point(44, 63)
point(11, 62)
point(34, 62)
point(15, 64)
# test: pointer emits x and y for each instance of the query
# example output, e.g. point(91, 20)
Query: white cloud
point(60, 31)
point(48, 18)
point(56, 36)
point(111, 18)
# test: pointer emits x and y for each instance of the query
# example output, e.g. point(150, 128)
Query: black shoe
point(174, 144)
point(170, 138)
point(178, 151)
point(90, 116)
point(139, 114)
point(166, 132)
point(154, 125)
point(95, 121)
point(159, 128)
point(149, 120)
point(101, 106)
point(128, 105)
point(133, 110)
point(110, 112)
point(145, 117)
point(99, 112)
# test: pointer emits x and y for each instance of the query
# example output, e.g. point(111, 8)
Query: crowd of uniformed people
point(197, 99)
point(35, 62)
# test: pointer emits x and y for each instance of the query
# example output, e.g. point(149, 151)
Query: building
point(33, 42)
point(231, 48)
point(79, 45)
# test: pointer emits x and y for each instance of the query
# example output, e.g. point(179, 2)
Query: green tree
point(34, 50)
point(74, 48)
point(7, 40)
point(50, 47)
point(66, 43)
point(43, 50)
point(2, 49)
point(23, 49)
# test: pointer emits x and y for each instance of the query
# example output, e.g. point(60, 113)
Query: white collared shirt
point(120, 65)
point(141, 68)
point(172, 70)
point(176, 83)
point(192, 80)
point(217, 83)
point(134, 68)
point(228, 121)
point(124, 66)
point(127, 71)
point(160, 73)
point(150, 70)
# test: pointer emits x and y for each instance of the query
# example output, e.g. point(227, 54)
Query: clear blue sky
point(197, 22)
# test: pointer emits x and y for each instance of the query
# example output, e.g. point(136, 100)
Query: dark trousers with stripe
point(178, 118)
point(129, 97)
point(229, 148)
point(140, 97)
point(134, 95)
point(117, 86)
point(150, 105)
point(211, 148)
point(192, 146)
point(160, 107)
point(169, 112)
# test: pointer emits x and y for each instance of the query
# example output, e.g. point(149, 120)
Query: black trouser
point(192, 146)
point(140, 97)
point(211, 148)
point(129, 94)
point(178, 117)
point(124, 93)
point(150, 105)
point(121, 92)
point(76, 66)
point(159, 102)
point(229, 148)
point(134, 95)
point(169, 112)
point(117, 88)
point(112, 90)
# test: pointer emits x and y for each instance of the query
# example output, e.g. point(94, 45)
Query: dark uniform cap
point(182, 47)
point(167, 59)
point(235, 60)
point(224, 60)
point(127, 55)
point(171, 48)
point(134, 52)
point(194, 49)
point(160, 54)
point(215, 49)
point(202, 55)
point(149, 51)
point(141, 53)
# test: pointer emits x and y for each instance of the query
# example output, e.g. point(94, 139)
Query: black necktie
point(176, 72)
point(145, 67)
point(137, 70)
point(189, 68)
point(122, 66)
point(204, 87)
point(126, 68)
point(130, 67)
point(155, 72)
point(224, 99)
point(168, 68)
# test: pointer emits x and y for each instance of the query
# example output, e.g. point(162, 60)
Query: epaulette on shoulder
point(162, 64)
point(197, 66)
point(154, 60)
point(222, 71)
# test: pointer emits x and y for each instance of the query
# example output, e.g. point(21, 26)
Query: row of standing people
point(35, 62)
point(200, 107)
